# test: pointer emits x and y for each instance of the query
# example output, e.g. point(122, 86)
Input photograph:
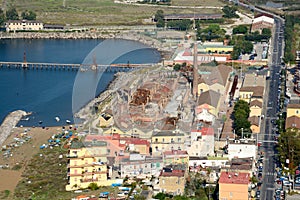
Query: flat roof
point(234, 178)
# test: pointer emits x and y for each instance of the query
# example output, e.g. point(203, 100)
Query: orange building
point(234, 186)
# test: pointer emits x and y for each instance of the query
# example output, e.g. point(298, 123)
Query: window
point(297, 111)
point(230, 194)
point(163, 139)
point(179, 139)
point(156, 140)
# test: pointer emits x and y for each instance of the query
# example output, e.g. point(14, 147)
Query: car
point(257, 194)
point(286, 183)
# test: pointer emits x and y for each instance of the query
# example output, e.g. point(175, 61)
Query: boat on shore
point(25, 119)
point(68, 121)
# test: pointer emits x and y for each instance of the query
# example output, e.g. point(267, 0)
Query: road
point(272, 107)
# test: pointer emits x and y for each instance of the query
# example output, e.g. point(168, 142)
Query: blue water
point(49, 93)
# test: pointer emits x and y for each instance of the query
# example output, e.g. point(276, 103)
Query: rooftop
point(209, 97)
point(258, 91)
point(205, 131)
point(234, 178)
point(294, 106)
point(167, 133)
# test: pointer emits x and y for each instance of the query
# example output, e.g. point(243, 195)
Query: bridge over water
point(73, 67)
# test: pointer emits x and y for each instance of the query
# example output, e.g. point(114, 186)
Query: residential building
point(202, 142)
point(203, 162)
point(234, 185)
point(292, 122)
point(209, 100)
point(141, 166)
point(87, 164)
point(214, 47)
point(255, 108)
point(248, 149)
point(23, 25)
point(251, 93)
point(172, 179)
point(176, 157)
point(262, 21)
point(167, 141)
point(293, 110)
point(255, 123)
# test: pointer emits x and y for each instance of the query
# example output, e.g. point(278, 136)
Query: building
point(234, 186)
point(215, 80)
point(176, 157)
point(293, 110)
point(209, 100)
point(106, 119)
point(262, 21)
point(87, 164)
point(23, 25)
point(141, 166)
point(292, 122)
point(172, 179)
point(255, 123)
point(214, 47)
point(202, 142)
point(250, 93)
point(203, 162)
point(167, 141)
point(248, 149)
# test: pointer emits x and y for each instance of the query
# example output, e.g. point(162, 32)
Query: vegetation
point(230, 12)
point(181, 25)
point(265, 35)
point(289, 34)
point(241, 46)
point(12, 14)
point(212, 32)
point(28, 15)
point(2, 17)
point(159, 18)
point(240, 29)
point(241, 113)
point(289, 147)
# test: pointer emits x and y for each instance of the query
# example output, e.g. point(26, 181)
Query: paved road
point(268, 186)
point(272, 107)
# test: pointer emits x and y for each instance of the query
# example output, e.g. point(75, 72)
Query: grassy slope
point(98, 12)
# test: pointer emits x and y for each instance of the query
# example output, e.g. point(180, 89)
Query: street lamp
point(242, 133)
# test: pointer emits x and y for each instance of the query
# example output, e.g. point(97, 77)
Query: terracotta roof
point(209, 97)
point(293, 106)
point(292, 122)
point(256, 103)
point(258, 91)
point(205, 131)
point(234, 178)
point(254, 120)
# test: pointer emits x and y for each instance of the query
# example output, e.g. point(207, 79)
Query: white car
point(287, 183)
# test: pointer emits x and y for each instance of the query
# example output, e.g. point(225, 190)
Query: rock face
point(9, 123)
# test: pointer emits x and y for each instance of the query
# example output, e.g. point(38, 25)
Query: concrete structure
point(233, 185)
point(23, 25)
point(242, 150)
point(195, 72)
point(167, 141)
point(203, 162)
point(141, 166)
point(172, 179)
point(87, 164)
point(261, 22)
point(202, 142)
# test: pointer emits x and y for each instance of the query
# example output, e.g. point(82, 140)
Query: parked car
point(257, 194)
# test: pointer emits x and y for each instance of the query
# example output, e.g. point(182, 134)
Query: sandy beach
point(21, 155)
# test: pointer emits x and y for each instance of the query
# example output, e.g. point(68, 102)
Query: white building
point(23, 25)
point(242, 150)
point(202, 142)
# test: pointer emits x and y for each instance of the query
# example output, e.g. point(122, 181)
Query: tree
point(241, 29)
point(267, 32)
point(230, 12)
point(12, 14)
point(159, 18)
point(2, 17)
point(240, 115)
point(93, 186)
point(29, 15)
